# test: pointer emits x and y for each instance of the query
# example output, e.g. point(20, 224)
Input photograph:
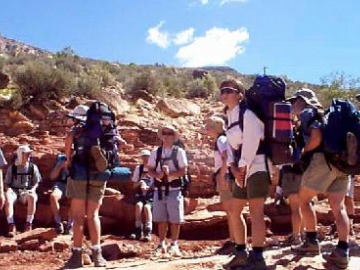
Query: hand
point(165, 169)
point(221, 181)
point(160, 176)
point(239, 174)
point(2, 200)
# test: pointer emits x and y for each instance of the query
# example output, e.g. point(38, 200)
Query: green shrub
point(148, 82)
point(39, 80)
point(202, 88)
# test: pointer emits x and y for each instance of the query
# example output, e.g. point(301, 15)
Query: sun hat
point(22, 149)
point(170, 127)
point(79, 113)
point(308, 96)
point(144, 153)
point(216, 123)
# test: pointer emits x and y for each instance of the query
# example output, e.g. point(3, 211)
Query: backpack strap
point(141, 171)
point(174, 159)
point(15, 174)
point(240, 121)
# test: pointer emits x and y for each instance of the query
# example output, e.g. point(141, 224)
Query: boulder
point(144, 95)
point(38, 233)
point(32, 244)
point(177, 107)
point(8, 246)
point(21, 127)
point(60, 246)
point(111, 251)
point(112, 97)
point(4, 80)
point(46, 247)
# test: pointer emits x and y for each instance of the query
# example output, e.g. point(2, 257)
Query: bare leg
point(93, 221)
point(258, 226)
point(237, 221)
point(336, 200)
point(295, 214)
point(78, 209)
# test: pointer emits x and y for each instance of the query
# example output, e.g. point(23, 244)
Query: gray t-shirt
point(2, 160)
point(23, 178)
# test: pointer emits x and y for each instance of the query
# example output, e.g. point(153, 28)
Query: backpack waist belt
point(173, 184)
point(261, 151)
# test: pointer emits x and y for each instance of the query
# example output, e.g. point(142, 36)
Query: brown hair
point(238, 85)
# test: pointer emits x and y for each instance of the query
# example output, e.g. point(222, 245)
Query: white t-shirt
point(166, 160)
point(221, 143)
point(249, 138)
point(144, 177)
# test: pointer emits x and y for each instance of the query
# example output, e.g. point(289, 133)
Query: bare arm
point(54, 175)
point(2, 196)
point(68, 144)
point(154, 174)
point(314, 140)
point(180, 173)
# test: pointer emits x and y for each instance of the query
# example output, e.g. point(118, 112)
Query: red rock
point(177, 107)
point(60, 246)
point(32, 244)
point(38, 233)
point(8, 246)
point(111, 252)
point(46, 247)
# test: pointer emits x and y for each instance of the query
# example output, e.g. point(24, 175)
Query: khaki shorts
point(290, 183)
point(323, 177)
point(77, 189)
point(257, 187)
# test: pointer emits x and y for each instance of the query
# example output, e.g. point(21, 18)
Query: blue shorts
point(170, 208)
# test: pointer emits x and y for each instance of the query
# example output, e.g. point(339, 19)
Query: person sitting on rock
point(21, 181)
point(59, 174)
point(143, 199)
point(215, 128)
point(167, 165)
point(3, 163)
point(319, 177)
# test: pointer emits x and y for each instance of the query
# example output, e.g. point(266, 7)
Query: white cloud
point(204, 2)
point(216, 47)
point(158, 37)
point(223, 2)
point(184, 37)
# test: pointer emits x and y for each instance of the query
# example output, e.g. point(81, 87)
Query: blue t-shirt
point(308, 123)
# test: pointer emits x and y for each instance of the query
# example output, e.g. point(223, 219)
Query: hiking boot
point(137, 235)
point(239, 259)
point(28, 227)
point(147, 235)
point(68, 229)
point(11, 230)
point(308, 247)
point(98, 258)
point(174, 250)
point(254, 263)
point(75, 260)
point(351, 149)
point(339, 258)
point(100, 160)
point(227, 249)
point(59, 228)
point(293, 240)
point(160, 250)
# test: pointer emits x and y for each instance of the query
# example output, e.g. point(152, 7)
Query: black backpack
point(266, 98)
point(15, 173)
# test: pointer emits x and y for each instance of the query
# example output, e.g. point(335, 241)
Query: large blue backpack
point(266, 98)
point(340, 119)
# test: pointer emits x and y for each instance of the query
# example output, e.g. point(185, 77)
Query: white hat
point(19, 153)
point(170, 127)
point(79, 113)
point(144, 152)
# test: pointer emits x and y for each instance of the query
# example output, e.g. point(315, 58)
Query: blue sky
point(303, 39)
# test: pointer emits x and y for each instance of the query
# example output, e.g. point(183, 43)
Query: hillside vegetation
point(64, 74)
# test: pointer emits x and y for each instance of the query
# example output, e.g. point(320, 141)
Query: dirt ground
point(196, 255)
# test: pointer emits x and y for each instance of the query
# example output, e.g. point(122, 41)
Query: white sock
point(163, 243)
point(175, 243)
point(57, 218)
point(10, 220)
point(96, 247)
point(77, 248)
point(148, 225)
point(30, 218)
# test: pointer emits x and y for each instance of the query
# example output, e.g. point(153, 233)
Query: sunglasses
point(169, 133)
point(228, 90)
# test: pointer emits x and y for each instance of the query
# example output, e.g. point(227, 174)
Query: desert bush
point(202, 88)
point(39, 80)
point(148, 82)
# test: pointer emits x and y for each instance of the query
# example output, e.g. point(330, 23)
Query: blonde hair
point(217, 123)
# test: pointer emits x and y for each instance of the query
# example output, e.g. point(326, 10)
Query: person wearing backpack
point(215, 128)
point(143, 199)
point(89, 172)
point(21, 181)
point(3, 163)
point(319, 177)
point(245, 132)
point(167, 165)
point(59, 175)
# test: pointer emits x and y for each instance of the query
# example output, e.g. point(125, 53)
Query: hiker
point(319, 177)
point(143, 199)
point(21, 181)
point(86, 185)
point(3, 163)
point(215, 128)
point(59, 175)
point(251, 177)
point(168, 165)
